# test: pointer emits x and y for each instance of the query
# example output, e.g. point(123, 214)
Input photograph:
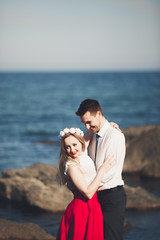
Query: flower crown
point(72, 131)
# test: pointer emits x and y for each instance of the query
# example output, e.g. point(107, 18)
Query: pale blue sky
point(79, 35)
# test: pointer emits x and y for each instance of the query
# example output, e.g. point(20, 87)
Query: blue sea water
point(34, 107)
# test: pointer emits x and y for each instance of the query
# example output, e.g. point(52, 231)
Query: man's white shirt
point(111, 141)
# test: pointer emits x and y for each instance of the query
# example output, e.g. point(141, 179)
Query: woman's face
point(73, 146)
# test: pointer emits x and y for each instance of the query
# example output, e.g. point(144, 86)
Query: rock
point(143, 151)
point(36, 186)
point(43, 172)
point(22, 231)
point(131, 132)
point(139, 199)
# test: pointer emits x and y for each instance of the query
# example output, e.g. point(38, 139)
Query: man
point(111, 194)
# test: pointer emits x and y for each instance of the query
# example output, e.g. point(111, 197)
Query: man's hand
point(116, 126)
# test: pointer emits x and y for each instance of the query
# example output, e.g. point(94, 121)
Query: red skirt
point(82, 220)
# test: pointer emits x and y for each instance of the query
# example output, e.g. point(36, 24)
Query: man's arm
point(117, 148)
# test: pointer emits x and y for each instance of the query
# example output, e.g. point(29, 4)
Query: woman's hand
point(108, 163)
point(115, 125)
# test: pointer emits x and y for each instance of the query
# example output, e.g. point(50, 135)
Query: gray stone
point(35, 186)
point(40, 189)
point(140, 199)
point(22, 231)
point(143, 151)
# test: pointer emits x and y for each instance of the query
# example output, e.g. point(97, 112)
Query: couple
point(97, 210)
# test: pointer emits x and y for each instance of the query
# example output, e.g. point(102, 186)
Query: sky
point(79, 35)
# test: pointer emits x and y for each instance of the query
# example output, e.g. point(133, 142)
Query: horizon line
point(77, 70)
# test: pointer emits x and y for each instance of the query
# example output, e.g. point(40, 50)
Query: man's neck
point(103, 121)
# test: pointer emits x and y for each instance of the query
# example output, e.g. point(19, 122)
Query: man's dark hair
point(90, 105)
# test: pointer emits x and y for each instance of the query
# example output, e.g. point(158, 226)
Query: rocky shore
point(22, 231)
point(143, 151)
point(36, 186)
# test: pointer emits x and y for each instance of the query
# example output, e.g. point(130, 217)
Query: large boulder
point(143, 151)
point(10, 230)
point(27, 231)
point(140, 199)
point(36, 186)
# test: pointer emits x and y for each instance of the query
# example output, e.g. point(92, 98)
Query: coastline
point(35, 187)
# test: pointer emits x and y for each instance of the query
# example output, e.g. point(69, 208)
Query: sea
point(35, 106)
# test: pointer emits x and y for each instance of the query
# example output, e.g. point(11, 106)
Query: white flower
point(82, 134)
point(79, 132)
point(66, 130)
point(61, 133)
point(72, 130)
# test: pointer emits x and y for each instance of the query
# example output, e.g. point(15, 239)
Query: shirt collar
point(103, 129)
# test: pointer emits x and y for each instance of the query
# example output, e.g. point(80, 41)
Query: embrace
point(91, 166)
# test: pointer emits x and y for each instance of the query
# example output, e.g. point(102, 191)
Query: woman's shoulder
point(69, 163)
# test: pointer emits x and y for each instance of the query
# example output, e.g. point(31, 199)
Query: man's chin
point(93, 130)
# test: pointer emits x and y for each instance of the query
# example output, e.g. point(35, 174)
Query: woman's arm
point(79, 180)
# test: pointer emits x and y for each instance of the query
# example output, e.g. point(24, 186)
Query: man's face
point(92, 121)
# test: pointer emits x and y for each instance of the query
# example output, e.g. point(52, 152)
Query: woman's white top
point(86, 166)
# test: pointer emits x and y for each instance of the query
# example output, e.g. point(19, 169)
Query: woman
point(83, 217)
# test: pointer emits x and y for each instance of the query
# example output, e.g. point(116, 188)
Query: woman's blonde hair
point(64, 157)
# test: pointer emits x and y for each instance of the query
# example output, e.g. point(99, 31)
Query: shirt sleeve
point(117, 149)
point(67, 164)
